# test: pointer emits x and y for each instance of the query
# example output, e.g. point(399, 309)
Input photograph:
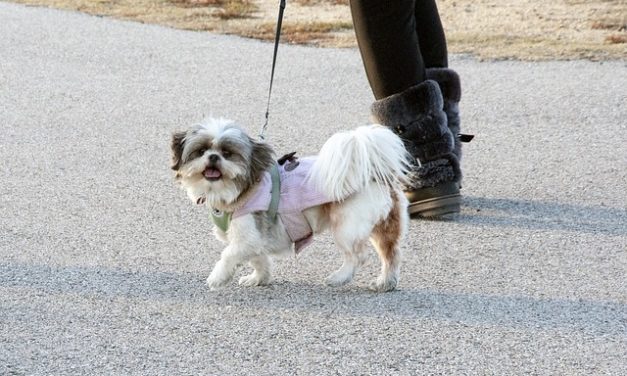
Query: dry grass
point(608, 25)
point(223, 9)
point(488, 29)
point(300, 33)
point(318, 2)
point(616, 39)
point(197, 3)
point(236, 9)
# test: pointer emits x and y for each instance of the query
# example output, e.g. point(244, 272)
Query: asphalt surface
point(103, 259)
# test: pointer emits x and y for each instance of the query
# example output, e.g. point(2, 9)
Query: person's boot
point(417, 116)
point(450, 86)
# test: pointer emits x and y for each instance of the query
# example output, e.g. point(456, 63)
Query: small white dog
point(262, 208)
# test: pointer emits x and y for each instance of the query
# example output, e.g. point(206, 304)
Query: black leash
point(276, 48)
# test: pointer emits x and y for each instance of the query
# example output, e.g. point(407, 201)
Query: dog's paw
point(341, 276)
point(338, 278)
point(254, 279)
point(382, 284)
point(217, 279)
point(214, 283)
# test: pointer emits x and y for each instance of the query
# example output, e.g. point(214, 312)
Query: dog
point(262, 208)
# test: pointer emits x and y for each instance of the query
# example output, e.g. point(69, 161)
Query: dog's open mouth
point(212, 174)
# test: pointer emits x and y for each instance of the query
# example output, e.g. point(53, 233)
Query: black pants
point(397, 40)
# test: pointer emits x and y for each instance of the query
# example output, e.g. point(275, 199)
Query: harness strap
point(221, 219)
point(276, 192)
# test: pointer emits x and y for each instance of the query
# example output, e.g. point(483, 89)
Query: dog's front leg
point(261, 274)
point(225, 268)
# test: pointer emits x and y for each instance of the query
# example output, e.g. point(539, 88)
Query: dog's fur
point(361, 171)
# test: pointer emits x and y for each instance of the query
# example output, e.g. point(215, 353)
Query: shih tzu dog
point(262, 208)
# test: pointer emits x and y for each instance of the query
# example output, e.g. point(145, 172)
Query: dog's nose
point(213, 158)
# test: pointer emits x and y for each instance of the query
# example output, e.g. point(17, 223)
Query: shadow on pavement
point(539, 215)
point(587, 316)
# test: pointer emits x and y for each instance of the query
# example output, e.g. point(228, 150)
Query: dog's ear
point(262, 157)
point(177, 145)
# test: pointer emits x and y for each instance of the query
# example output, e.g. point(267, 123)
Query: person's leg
point(386, 35)
point(409, 105)
point(431, 38)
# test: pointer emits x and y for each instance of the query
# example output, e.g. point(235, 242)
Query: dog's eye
point(197, 153)
point(226, 153)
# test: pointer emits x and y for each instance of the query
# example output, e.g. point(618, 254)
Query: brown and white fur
point(362, 171)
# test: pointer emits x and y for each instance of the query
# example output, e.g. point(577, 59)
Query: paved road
point(103, 259)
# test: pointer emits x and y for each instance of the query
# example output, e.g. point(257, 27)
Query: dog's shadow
point(302, 297)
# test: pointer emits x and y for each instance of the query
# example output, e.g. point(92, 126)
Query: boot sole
point(442, 201)
point(437, 207)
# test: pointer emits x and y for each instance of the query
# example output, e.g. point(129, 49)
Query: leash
point(279, 23)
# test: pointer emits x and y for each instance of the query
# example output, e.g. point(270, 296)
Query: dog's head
point(217, 161)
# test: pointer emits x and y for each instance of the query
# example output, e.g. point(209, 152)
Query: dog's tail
point(350, 160)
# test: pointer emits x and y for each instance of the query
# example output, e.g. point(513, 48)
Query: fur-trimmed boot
point(451, 89)
point(417, 116)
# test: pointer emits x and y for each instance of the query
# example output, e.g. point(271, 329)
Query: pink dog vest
point(297, 194)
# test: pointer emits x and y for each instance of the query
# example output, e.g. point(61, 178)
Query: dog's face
point(217, 161)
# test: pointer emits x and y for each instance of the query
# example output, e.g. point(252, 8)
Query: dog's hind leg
point(262, 270)
point(351, 230)
point(353, 256)
point(386, 237)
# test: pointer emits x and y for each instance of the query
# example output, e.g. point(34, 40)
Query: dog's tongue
point(212, 173)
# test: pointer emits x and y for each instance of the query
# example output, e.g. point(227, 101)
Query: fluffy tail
point(350, 160)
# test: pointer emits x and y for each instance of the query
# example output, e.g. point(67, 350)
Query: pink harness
point(297, 194)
